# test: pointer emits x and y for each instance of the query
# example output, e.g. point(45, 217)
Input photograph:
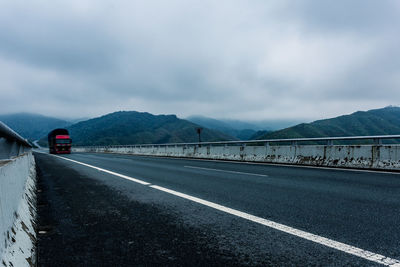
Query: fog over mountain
point(32, 126)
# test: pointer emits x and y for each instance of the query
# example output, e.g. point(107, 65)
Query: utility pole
point(198, 130)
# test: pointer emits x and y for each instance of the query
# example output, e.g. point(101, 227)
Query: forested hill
point(373, 122)
point(131, 127)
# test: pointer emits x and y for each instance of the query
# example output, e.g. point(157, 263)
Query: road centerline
point(228, 171)
point(349, 249)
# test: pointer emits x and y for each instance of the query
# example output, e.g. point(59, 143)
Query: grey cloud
point(232, 59)
point(68, 49)
point(357, 16)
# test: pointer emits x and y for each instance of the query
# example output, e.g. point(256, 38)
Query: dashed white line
point(228, 171)
point(365, 254)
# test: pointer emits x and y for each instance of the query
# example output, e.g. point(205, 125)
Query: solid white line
point(290, 230)
point(220, 170)
point(107, 171)
point(365, 254)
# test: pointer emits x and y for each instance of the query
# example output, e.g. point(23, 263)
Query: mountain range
point(244, 130)
point(373, 122)
point(131, 127)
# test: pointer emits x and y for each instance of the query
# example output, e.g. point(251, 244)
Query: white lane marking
point(365, 254)
point(290, 230)
point(220, 170)
point(107, 171)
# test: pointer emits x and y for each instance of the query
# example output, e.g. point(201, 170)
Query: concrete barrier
point(17, 211)
point(349, 156)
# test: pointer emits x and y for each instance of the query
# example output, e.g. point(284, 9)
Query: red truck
point(59, 142)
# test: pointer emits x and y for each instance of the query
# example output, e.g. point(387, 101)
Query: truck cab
point(59, 142)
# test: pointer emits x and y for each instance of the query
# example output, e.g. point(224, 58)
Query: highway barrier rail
point(370, 152)
point(11, 143)
point(17, 200)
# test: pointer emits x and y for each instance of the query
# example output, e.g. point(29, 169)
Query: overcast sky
point(250, 60)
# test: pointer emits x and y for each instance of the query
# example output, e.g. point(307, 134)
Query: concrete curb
point(18, 211)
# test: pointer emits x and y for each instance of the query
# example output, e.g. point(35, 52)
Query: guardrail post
point(294, 143)
point(242, 147)
point(267, 147)
point(378, 141)
point(329, 142)
point(6, 149)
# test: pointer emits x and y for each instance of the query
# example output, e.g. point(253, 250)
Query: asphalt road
point(91, 218)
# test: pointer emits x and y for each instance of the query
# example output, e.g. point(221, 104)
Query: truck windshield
point(63, 141)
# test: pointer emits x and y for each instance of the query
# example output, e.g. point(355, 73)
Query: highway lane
point(357, 208)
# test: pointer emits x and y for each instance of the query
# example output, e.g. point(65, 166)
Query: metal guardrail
point(377, 139)
point(7, 133)
point(11, 143)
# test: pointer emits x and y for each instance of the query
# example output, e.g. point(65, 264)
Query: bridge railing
point(11, 143)
point(376, 139)
point(367, 152)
